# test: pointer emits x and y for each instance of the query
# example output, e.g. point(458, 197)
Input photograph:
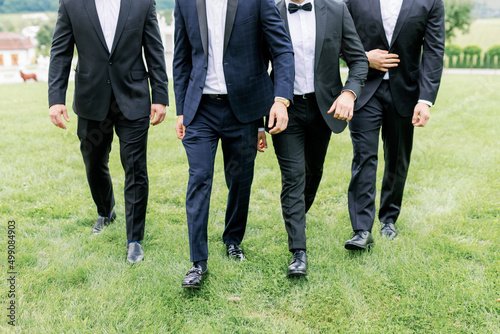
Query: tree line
point(458, 18)
point(24, 6)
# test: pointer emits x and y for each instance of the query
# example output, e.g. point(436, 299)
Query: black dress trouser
point(95, 144)
point(301, 151)
point(397, 135)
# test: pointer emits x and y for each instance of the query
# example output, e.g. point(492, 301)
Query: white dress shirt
point(215, 82)
point(302, 25)
point(390, 11)
point(108, 11)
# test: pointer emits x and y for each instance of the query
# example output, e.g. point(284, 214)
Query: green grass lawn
point(483, 32)
point(441, 275)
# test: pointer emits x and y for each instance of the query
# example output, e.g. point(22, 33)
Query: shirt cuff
point(355, 96)
point(261, 129)
point(429, 103)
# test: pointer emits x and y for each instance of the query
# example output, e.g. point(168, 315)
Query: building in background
point(17, 53)
point(167, 36)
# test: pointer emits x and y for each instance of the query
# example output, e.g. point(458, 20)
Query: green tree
point(164, 4)
point(17, 6)
point(44, 37)
point(457, 17)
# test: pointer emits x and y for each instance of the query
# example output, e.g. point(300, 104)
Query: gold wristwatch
point(286, 102)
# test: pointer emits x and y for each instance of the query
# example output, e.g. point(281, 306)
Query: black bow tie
point(292, 8)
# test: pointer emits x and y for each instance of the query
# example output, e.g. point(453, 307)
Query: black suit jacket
point(418, 39)
point(100, 71)
point(335, 35)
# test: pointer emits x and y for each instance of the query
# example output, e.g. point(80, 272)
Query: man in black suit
point(321, 30)
point(404, 41)
point(111, 90)
point(222, 91)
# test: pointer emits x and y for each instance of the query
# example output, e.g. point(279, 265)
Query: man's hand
point(261, 141)
point(280, 114)
point(180, 129)
point(421, 114)
point(160, 110)
point(382, 60)
point(343, 106)
point(55, 112)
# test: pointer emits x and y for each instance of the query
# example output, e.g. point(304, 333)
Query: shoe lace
point(194, 269)
point(234, 251)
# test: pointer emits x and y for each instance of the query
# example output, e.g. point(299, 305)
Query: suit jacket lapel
point(321, 21)
point(403, 14)
point(232, 6)
point(201, 7)
point(94, 18)
point(282, 9)
point(122, 19)
point(377, 15)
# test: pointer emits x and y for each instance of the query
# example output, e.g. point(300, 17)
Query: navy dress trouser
point(215, 120)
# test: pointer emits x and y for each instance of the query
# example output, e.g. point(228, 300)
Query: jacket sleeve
point(61, 55)
point(354, 55)
point(155, 58)
point(280, 48)
point(431, 66)
point(182, 64)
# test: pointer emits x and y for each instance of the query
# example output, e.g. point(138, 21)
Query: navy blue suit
point(235, 121)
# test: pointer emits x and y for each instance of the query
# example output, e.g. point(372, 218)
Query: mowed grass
point(483, 32)
point(441, 275)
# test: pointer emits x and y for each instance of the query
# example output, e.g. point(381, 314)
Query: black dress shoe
point(361, 240)
point(103, 221)
point(298, 266)
point(388, 230)
point(135, 252)
point(194, 277)
point(235, 252)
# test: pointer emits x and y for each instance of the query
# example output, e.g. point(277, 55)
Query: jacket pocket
point(415, 75)
point(138, 75)
point(245, 20)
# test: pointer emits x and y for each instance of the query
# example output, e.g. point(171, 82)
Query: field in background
point(483, 32)
point(441, 275)
point(16, 22)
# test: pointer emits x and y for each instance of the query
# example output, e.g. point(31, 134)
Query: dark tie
point(292, 8)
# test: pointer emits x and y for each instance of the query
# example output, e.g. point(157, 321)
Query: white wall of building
point(24, 57)
point(9, 73)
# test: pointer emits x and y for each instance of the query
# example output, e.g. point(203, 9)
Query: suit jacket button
point(108, 82)
point(110, 63)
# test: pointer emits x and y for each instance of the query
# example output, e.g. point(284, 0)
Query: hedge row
point(471, 57)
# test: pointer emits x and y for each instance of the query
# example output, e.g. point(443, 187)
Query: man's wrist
point(351, 91)
point(283, 100)
point(429, 103)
